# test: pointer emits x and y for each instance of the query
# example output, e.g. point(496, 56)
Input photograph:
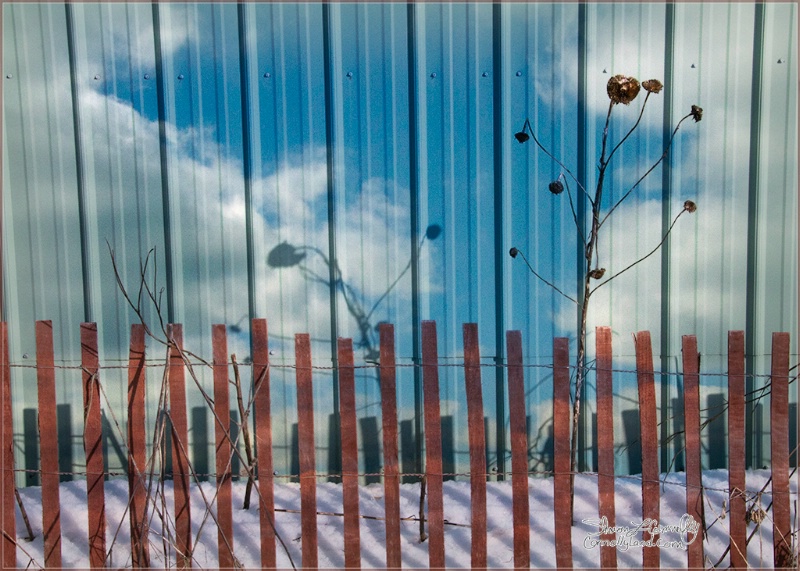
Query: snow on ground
point(415, 554)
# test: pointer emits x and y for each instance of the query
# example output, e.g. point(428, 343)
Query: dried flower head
point(513, 252)
point(622, 89)
point(597, 273)
point(689, 206)
point(652, 86)
point(697, 113)
point(755, 514)
point(556, 187)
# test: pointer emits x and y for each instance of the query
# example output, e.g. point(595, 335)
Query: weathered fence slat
point(9, 522)
point(519, 451)
point(477, 443)
point(263, 421)
point(648, 426)
point(433, 444)
point(736, 450)
point(779, 420)
point(137, 449)
point(349, 434)
point(691, 413)
point(391, 468)
point(605, 444)
point(306, 450)
point(180, 461)
point(561, 454)
point(219, 341)
point(93, 445)
point(48, 443)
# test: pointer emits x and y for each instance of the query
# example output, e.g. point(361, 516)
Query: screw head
point(180, 76)
point(485, 74)
point(9, 76)
point(519, 74)
point(96, 77)
point(433, 74)
point(147, 76)
point(267, 74)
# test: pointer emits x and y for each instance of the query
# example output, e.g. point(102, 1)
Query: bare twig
point(541, 278)
point(245, 432)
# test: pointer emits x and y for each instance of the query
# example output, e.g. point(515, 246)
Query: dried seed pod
point(652, 86)
point(556, 187)
point(689, 206)
point(597, 273)
point(755, 514)
point(622, 89)
point(697, 113)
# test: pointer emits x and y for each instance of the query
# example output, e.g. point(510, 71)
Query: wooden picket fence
point(782, 532)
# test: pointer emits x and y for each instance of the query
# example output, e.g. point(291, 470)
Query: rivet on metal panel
point(433, 74)
point(267, 74)
point(180, 77)
point(147, 76)
point(519, 74)
point(349, 75)
point(96, 77)
point(9, 76)
point(485, 74)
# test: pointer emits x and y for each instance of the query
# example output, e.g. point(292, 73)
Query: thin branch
point(640, 260)
point(651, 169)
point(638, 120)
point(558, 162)
point(574, 214)
point(544, 280)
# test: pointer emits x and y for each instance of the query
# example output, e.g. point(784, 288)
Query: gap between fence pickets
point(783, 550)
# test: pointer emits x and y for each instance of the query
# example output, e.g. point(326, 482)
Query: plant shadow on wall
point(620, 89)
point(286, 255)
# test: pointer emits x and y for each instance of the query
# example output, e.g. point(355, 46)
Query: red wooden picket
point(137, 449)
point(561, 454)
point(262, 409)
point(93, 445)
point(736, 450)
point(180, 460)
point(306, 450)
point(605, 444)
point(349, 433)
point(477, 443)
point(222, 425)
point(48, 443)
point(391, 468)
point(648, 430)
point(433, 444)
point(691, 408)
point(779, 430)
point(519, 451)
point(9, 524)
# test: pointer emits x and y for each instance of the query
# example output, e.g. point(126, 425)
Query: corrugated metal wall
point(334, 166)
